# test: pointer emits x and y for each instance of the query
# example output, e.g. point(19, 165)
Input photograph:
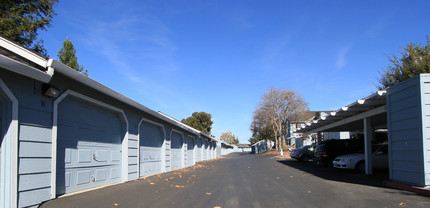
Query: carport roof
point(349, 118)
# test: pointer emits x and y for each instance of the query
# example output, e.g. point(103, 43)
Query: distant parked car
point(328, 150)
point(356, 161)
point(303, 154)
point(321, 155)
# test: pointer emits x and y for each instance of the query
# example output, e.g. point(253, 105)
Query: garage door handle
point(94, 157)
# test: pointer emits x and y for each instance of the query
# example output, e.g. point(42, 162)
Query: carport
point(367, 115)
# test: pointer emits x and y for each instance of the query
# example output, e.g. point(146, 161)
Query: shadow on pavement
point(340, 175)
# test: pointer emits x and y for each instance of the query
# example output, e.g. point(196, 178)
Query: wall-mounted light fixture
point(50, 91)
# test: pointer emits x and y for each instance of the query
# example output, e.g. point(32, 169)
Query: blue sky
point(219, 57)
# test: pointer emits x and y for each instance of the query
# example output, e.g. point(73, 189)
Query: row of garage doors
point(90, 147)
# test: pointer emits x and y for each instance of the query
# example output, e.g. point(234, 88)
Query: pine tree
point(67, 56)
point(21, 20)
point(414, 59)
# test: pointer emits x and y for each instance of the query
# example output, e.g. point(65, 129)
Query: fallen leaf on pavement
point(291, 176)
point(115, 204)
point(178, 186)
point(217, 207)
point(152, 183)
point(309, 192)
point(402, 204)
point(208, 193)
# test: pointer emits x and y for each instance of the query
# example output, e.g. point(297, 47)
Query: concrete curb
point(415, 189)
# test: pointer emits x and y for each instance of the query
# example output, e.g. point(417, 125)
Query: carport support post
point(368, 135)
point(319, 138)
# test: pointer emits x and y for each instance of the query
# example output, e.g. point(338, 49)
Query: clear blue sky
point(219, 57)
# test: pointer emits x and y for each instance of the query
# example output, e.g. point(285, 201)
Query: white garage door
point(176, 150)
point(211, 148)
point(88, 146)
point(205, 150)
point(2, 132)
point(151, 143)
point(199, 150)
point(190, 152)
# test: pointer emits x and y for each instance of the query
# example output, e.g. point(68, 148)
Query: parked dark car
point(303, 154)
point(330, 149)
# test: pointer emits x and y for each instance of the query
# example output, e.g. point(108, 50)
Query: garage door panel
point(83, 176)
point(67, 178)
point(115, 173)
point(102, 174)
point(116, 156)
point(68, 156)
point(150, 168)
point(84, 156)
point(102, 155)
point(151, 154)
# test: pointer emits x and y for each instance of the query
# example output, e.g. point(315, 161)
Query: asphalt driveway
point(245, 180)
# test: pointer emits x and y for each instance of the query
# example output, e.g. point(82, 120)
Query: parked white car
point(356, 161)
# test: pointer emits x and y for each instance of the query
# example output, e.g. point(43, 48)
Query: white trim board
point(12, 139)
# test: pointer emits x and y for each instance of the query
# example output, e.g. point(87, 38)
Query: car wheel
point(361, 167)
point(304, 158)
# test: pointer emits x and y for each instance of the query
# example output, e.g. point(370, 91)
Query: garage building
point(64, 132)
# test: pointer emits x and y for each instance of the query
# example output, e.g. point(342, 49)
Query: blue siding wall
point(35, 123)
point(133, 153)
point(405, 132)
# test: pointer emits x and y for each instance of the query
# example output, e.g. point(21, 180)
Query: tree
point(67, 56)
point(21, 20)
point(200, 121)
point(261, 127)
point(414, 59)
point(229, 138)
point(278, 106)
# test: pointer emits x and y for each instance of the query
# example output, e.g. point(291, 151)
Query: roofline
point(23, 52)
point(79, 77)
point(53, 66)
point(24, 69)
point(307, 128)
